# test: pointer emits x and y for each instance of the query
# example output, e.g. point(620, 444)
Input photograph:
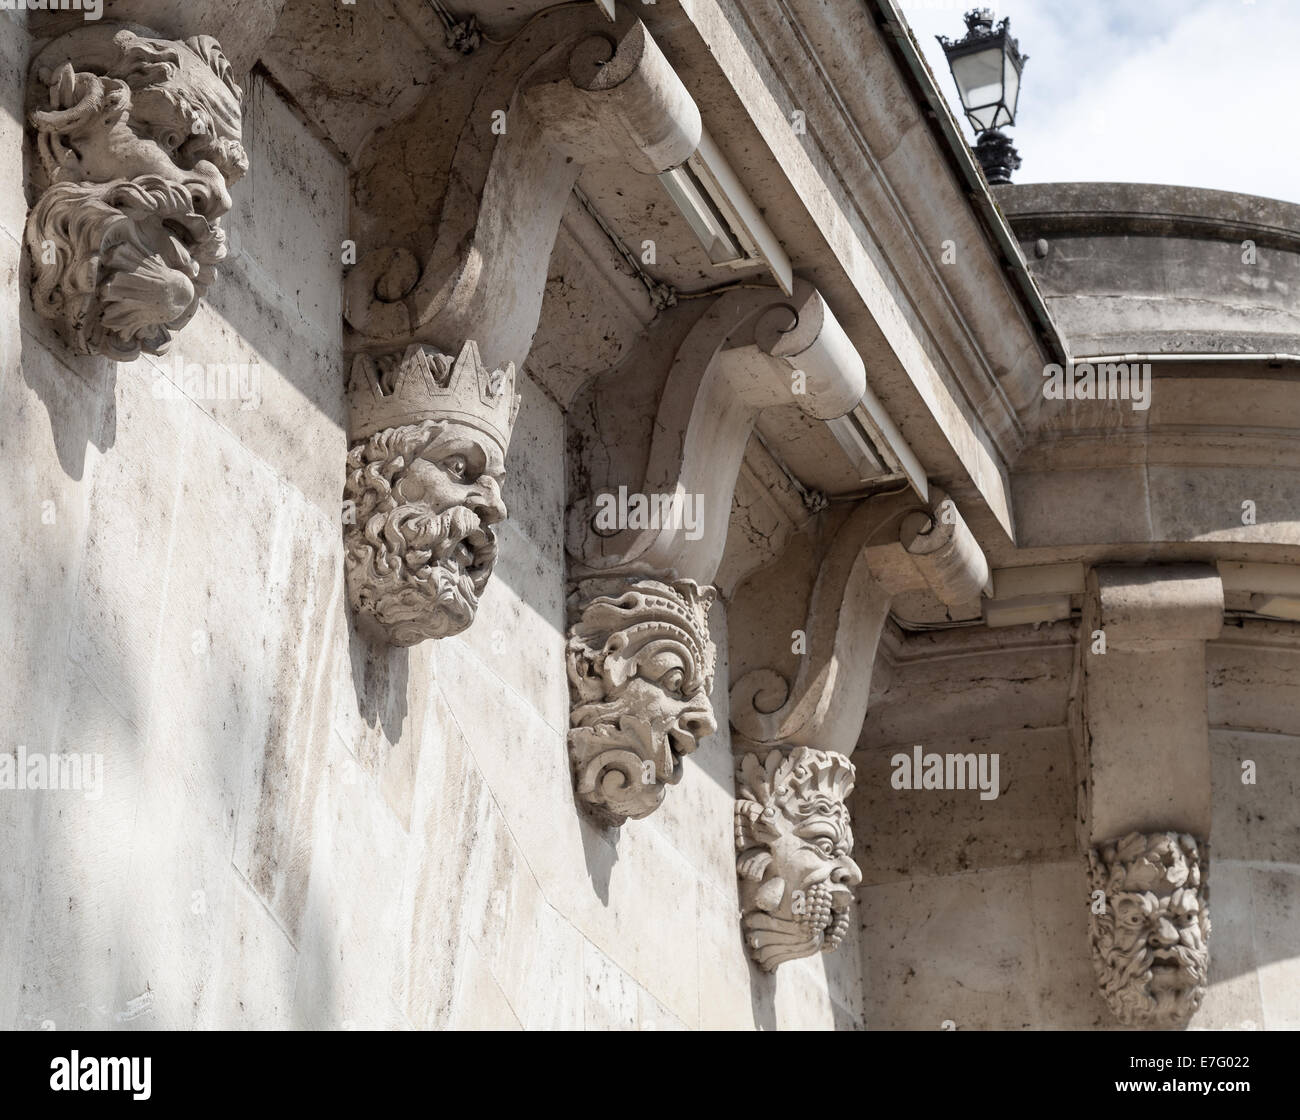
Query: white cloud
point(1201, 93)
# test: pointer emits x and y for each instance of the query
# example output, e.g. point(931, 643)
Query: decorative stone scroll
point(423, 491)
point(640, 664)
point(138, 141)
point(486, 183)
point(876, 552)
point(794, 844)
point(734, 360)
point(1150, 926)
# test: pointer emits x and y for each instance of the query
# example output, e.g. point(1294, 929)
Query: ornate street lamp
point(986, 66)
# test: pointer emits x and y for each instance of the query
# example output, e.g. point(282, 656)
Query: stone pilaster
point(1142, 751)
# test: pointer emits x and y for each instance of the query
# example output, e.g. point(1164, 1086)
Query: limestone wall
point(975, 912)
point(295, 829)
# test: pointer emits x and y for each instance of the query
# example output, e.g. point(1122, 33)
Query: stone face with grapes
point(794, 846)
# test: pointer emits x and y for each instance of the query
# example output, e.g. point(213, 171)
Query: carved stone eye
point(457, 466)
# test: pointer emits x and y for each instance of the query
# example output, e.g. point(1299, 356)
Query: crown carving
point(388, 391)
point(648, 607)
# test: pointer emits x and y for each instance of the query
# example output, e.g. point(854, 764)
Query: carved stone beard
point(1145, 987)
point(420, 575)
point(777, 935)
point(412, 573)
point(796, 872)
point(640, 669)
point(795, 910)
point(124, 264)
point(1150, 945)
point(616, 744)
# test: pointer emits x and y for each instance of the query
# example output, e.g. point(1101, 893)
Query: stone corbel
point(573, 91)
point(138, 143)
point(738, 358)
point(1140, 731)
point(888, 545)
point(430, 421)
point(793, 832)
point(640, 656)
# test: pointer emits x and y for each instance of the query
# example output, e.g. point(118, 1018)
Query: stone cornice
point(1149, 210)
point(949, 368)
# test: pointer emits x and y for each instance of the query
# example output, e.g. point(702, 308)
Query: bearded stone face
point(419, 547)
point(640, 669)
point(1150, 945)
point(795, 843)
point(139, 141)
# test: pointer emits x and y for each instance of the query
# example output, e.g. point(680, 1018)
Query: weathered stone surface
point(138, 140)
point(640, 662)
point(243, 30)
point(1177, 256)
point(793, 853)
point(1149, 927)
point(905, 833)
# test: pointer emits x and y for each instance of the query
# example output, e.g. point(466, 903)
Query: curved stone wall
point(1136, 268)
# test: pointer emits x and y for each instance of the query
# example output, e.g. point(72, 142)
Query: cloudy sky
point(1204, 93)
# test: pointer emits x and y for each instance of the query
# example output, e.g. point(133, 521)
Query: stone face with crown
point(429, 436)
point(794, 845)
point(640, 665)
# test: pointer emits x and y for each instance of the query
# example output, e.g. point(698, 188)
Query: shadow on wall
point(81, 411)
point(600, 849)
point(380, 674)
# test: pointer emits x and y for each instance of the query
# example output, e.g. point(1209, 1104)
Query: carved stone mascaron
point(423, 489)
point(1150, 929)
point(640, 665)
point(794, 844)
point(138, 140)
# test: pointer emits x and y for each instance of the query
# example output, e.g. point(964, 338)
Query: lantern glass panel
point(979, 83)
point(1011, 95)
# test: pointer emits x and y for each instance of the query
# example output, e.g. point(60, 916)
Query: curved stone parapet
point(1137, 268)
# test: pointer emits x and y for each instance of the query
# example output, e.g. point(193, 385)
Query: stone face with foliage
point(1150, 928)
point(794, 844)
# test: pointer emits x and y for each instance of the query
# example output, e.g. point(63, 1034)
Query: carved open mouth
point(480, 547)
point(1171, 970)
point(652, 747)
point(190, 229)
point(474, 554)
